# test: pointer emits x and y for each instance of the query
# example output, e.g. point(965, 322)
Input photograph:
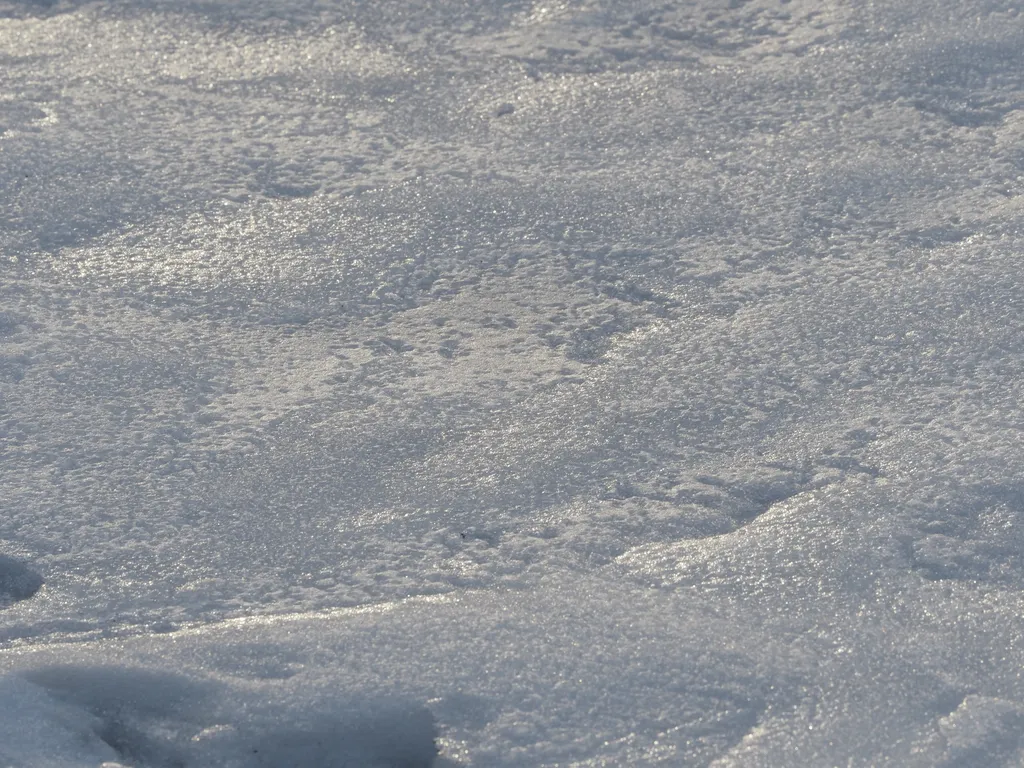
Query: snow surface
point(511, 383)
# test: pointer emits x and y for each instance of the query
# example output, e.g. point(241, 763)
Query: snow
point(101, 715)
point(17, 581)
point(429, 383)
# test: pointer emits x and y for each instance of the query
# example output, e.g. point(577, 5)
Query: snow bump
point(17, 581)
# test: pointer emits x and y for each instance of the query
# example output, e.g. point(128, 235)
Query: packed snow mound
point(17, 580)
point(87, 716)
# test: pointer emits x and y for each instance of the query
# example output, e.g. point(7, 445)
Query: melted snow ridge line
point(128, 630)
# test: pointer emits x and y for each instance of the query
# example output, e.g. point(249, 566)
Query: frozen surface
point(515, 383)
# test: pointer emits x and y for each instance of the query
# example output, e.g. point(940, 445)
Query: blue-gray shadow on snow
point(153, 718)
point(17, 580)
point(389, 734)
point(147, 717)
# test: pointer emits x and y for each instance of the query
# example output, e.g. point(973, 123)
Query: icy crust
point(569, 672)
point(669, 355)
point(580, 670)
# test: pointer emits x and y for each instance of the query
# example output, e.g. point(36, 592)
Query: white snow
point(582, 383)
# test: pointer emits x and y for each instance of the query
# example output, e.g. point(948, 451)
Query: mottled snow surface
point(511, 383)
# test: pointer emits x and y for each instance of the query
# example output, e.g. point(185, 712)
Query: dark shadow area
point(157, 719)
point(17, 581)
